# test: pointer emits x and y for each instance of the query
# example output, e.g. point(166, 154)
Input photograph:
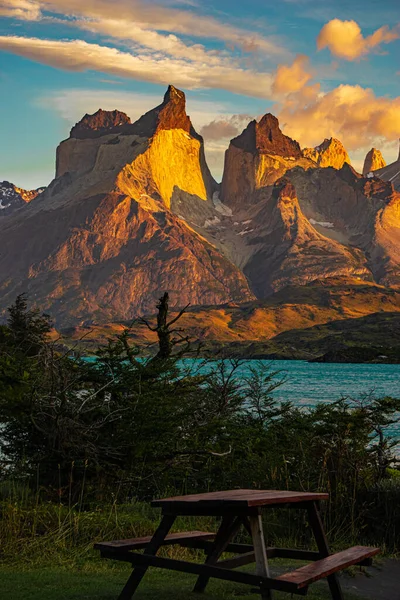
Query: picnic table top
point(240, 498)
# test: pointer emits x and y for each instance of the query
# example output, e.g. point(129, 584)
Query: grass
point(105, 583)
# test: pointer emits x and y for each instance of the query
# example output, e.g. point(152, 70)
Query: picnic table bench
point(237, 508)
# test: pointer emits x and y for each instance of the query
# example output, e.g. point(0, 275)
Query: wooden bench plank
point(141, 543)
point(303, 576)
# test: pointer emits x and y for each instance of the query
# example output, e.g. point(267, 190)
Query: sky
point(325, 68)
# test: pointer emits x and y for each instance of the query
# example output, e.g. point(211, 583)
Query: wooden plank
point(237, 561)
point(326, 566)
point(260, 551)
point(151, 550)
point(323, 547)
point(207, 546)
point(227, 531)
point(241, 498)
point(142, 542)
point(145, 560)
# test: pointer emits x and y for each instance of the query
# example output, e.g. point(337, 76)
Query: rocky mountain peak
point(266, 137)
point(170, 114)
point(331, 153)
point(373, 161)
point(102, 122)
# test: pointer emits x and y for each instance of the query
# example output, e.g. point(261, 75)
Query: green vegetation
point(106, 584)
point(85, 446)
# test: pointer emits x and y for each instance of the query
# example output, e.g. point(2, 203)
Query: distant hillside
point(373, 338)
point(252, 327)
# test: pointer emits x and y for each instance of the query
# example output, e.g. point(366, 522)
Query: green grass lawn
point(106, 583)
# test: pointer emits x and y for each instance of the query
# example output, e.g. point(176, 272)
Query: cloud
point(26, 10)
point(351, 113)
point(291, 78)
point(168, 44)
point(146, 15)
point(345, 39)
point(78, 55)
point(225, 128)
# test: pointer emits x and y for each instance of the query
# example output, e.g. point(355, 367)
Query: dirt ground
point(382, 581)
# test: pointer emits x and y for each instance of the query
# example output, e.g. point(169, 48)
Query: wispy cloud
point(78, 55)
point(117, 17)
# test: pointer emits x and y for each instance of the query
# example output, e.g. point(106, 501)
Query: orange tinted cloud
point(351, 113)
point(292, 78)
point(345, 39)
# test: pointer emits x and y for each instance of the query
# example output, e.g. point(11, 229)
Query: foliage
point(83, 434)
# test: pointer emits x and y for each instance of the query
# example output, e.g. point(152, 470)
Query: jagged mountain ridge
point(134, 211)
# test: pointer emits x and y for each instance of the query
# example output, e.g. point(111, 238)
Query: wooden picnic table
point(237, 508)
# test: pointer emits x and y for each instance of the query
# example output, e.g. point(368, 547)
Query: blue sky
point(325, 68)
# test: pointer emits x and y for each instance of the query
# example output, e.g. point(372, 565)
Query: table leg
point(323, 547)
point(260, 552)
point(151, 548)
point(227, 530)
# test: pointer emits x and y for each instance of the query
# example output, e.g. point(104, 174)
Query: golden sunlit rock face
point(373, 161)
point(133, 212)
point(172, 159)
point(331, 153)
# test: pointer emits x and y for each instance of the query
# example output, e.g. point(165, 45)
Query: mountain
point(331, 153)
point(373, 161)
point(133, 211)
point(12, 197)
point(256, 158)
point(102, 244)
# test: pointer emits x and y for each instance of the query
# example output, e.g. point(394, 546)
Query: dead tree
point(166, 341)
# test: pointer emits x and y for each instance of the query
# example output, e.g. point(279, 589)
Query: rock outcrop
point(290, 251)
point(12, 197)
point(331, 153)
point(373, 161)
point(390, 173)
point(259, 156)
